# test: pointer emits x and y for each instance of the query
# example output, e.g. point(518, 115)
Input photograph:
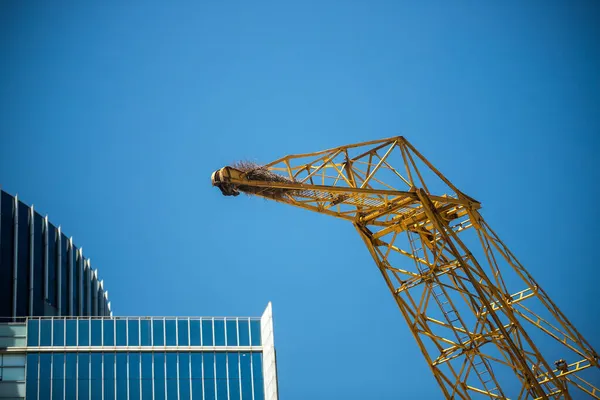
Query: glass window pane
point(171, 331)
point(70, 388)
point(171, 365)
point(109, 366)
point(259, 391)
point(146, 374)
point(221, 375)
point(96, 333)
point(45, 375)
point(146, 365)
point(71, 366)
point(258, 376)
point(233, 375)
point(172, 389)
point(171, 375)
point(84, 332)
point(184, 389)
point(33, 360)
point(75, 279)
point(158, 332)
point(244, 332)
point(134, 389)
point(109, 376)
point(13, 360)
point(58, 375)
point(196, 360)
point(38, 265)
point(121, 381)
point(23, 260)
point(58, 366)
point(159, 376)
point(134, 366)
point(109, 332)
point(46, 332)
point(83, 364)
point(232, 332)
point(147, 389)
point(221, 360)
point(146, 332)
point(182, 332)
point(58, 333)
point(184, 366)
point(13, 374)
point(83, 371)
point(219, 332)
point(133, 332)
point(234, 389)
point(207, 332)
point(197, 390)
point(134, 375)
point(246, 374)
point(71, 332)
point(33, 334)
point(255, 332)
point(64, 275)
point(221, 389)
point(121, 332)
point(195, 332)
point(52, 270)
point(85, 288)
point(232, 365)
point(96, 361)
point(209, 365)
point(96, 380)
point(210, 389)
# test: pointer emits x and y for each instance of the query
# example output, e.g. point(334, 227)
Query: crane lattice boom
point(484, 325)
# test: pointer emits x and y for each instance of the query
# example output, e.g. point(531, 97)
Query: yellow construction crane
point(484, 325)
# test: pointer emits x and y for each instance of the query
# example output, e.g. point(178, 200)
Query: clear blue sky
point(113, 116)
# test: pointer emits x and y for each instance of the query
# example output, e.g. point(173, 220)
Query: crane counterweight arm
point(477, 315)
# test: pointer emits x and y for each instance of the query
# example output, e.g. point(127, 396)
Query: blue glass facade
point(136, 358)
point(42, 273)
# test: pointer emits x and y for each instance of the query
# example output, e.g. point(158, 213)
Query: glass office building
point(42, 272)
point(162, 358)
point(60, 341)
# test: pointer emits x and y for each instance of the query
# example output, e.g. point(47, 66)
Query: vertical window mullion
point(213, 331)
point(227, 366)
point(152, 365)
point(190, 356)
point(127, 362)
point(201, 341)
point(165, 365)
point(237, 329)
point(102, 364)
point(140, 337)
point(250, 331)
point(239, 358)
point(215, 367)
point(251, 373)
point(140, 364)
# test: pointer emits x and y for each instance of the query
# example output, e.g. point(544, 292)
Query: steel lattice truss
point(450, 274)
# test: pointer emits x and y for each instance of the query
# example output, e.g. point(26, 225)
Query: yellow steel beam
point(455, 299)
